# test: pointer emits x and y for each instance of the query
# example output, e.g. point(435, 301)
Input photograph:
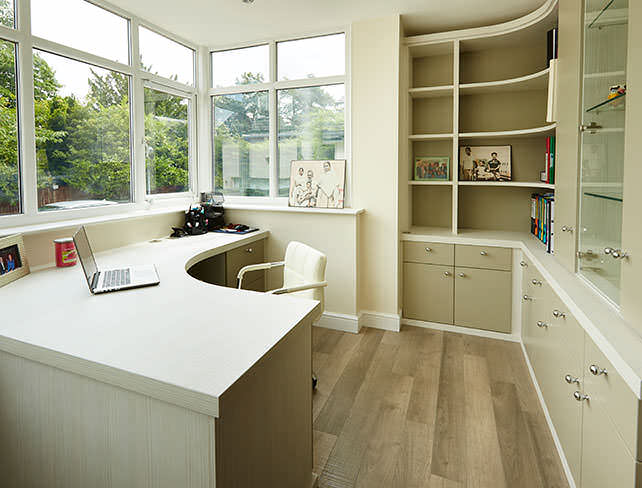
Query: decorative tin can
point(65, 252)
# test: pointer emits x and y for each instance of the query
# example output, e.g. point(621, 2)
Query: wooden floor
point(424, 408)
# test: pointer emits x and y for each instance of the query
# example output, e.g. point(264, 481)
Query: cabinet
point(468, 286)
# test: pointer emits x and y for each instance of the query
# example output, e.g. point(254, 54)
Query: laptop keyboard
point(116, 278)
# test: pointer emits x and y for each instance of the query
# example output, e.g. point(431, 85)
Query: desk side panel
point(59, 429)
point(264, 428)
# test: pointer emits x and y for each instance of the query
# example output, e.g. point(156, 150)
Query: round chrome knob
point(579, 396)
point(619, 254)
point(536, 282)
point(462, 275)
point(526, 298)
point(523, 264)
point(428, 249)
point(446, 273)
point(558, 314)
point(249, 250)
point(608, 250)
point(596, 370)
point(542, 325)
point(566, 228)
point(571, 379)
point(484, 253)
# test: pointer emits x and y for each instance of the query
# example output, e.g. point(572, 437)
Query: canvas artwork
point(432, 168)
point(485, 163)
point(317, 184)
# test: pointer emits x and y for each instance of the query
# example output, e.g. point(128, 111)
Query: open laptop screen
point(85, 254)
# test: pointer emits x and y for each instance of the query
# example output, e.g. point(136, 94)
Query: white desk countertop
point(619, 342)
point(183, 341)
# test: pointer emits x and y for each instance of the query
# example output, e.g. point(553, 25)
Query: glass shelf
point(604, 196)
point(607, 104)
point(604, 9)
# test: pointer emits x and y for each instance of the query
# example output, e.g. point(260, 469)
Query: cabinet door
point(483, 299)
point(537, 305)
point(428, 292)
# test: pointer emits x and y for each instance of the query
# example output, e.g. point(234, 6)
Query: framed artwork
point(317, 184)
point(431, 168)
point(485, 163)
point(13, 259)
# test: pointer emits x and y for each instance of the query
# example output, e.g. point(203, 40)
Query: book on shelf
point(552, 42)
point(543, 219)
point(549, 165)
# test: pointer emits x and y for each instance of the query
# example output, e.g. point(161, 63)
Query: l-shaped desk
point(182, 384)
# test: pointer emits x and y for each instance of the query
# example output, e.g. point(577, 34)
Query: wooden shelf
point(431, 91)
point(536, 81)
point(430, 137)
point(430, 183)
point(511, 184)
point(536, 131)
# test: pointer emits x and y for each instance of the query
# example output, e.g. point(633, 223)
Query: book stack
point(550, 160)
point(543, 218)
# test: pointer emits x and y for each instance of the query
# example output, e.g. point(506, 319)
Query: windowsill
point(260, 207)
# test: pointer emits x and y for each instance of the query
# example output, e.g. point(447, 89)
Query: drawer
point(428, 292)
point(499, 258)
point(236, 259)
point(608, 390)
point(429, 253)
point(483, 299)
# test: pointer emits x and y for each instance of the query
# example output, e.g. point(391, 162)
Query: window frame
point(26, 42)
point(273, 86)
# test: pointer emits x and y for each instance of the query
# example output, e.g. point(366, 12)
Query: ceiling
point(227, 22)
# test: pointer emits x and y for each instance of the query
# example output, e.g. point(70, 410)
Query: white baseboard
point(462, 330)
point(383, 321)
point(339, 321)
point(549, 421)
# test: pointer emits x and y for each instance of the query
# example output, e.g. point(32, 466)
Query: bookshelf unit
point(477, 87)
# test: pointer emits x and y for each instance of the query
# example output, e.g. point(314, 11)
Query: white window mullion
point(26, 117)
point(204, 129)
point(274, 123)
point(138, 120)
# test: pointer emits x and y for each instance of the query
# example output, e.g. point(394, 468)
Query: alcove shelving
point(488, 86)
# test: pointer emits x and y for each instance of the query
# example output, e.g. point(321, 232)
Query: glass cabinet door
point(602, 152)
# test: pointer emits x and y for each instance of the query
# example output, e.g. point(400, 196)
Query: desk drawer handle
point(597, 371)
point(536, 282)
point(570, 379)
point(542, 325)
point(559, 314)
point(446, 273)
point(462, 275)
point(428, 249)
point(526, 298)
point(249, 250)
point(580, 397)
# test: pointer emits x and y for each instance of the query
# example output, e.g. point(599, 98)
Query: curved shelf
point(430, 137)
point(535, 81)
point(431, 91)
point(430, 183)
point(536, 131)
point(513, 184)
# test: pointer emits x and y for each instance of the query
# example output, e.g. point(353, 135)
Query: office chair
point(303, 275)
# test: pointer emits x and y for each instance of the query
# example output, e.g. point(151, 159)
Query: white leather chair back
point(304, 264)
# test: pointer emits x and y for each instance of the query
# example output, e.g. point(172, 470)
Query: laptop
point(106, 280)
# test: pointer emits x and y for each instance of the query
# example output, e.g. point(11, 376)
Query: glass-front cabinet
point(602, 144)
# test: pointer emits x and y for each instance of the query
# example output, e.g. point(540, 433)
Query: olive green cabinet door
point(483, 299)
point(428, 292)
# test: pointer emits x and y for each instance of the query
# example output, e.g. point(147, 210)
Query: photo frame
point(317, 184)
point(431, 168)
point(485, 163)
point(13, 259)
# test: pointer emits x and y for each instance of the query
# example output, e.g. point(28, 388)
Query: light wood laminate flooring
point(431, 409)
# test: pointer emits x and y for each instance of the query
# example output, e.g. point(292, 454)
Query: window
point(244, 66)
point(241, 144)
point(9, 156)
point(315, 57)
point(82, 25)
point(311, 126)
point(260, 131)
point(163, 57)
point(83, 152)
point(7, 13)
point(167, 144)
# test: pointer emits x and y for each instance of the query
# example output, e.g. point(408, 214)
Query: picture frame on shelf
point(431, 168)
point(13, 259)
point(317, 184)
point(485, 163)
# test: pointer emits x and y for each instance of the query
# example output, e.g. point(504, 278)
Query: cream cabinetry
point(468, 286)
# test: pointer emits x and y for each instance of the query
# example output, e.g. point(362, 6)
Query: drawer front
point(428, 292)
point(538, 304)
point(606, 461)
point(236, 259)
point(609, 391)
point(499, 258)
point(483, 299)
point(429, 253)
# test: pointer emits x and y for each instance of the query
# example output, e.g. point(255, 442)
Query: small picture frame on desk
point(432, 168)
point(13, 259)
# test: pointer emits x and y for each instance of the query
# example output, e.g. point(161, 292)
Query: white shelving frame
point(450, 43)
